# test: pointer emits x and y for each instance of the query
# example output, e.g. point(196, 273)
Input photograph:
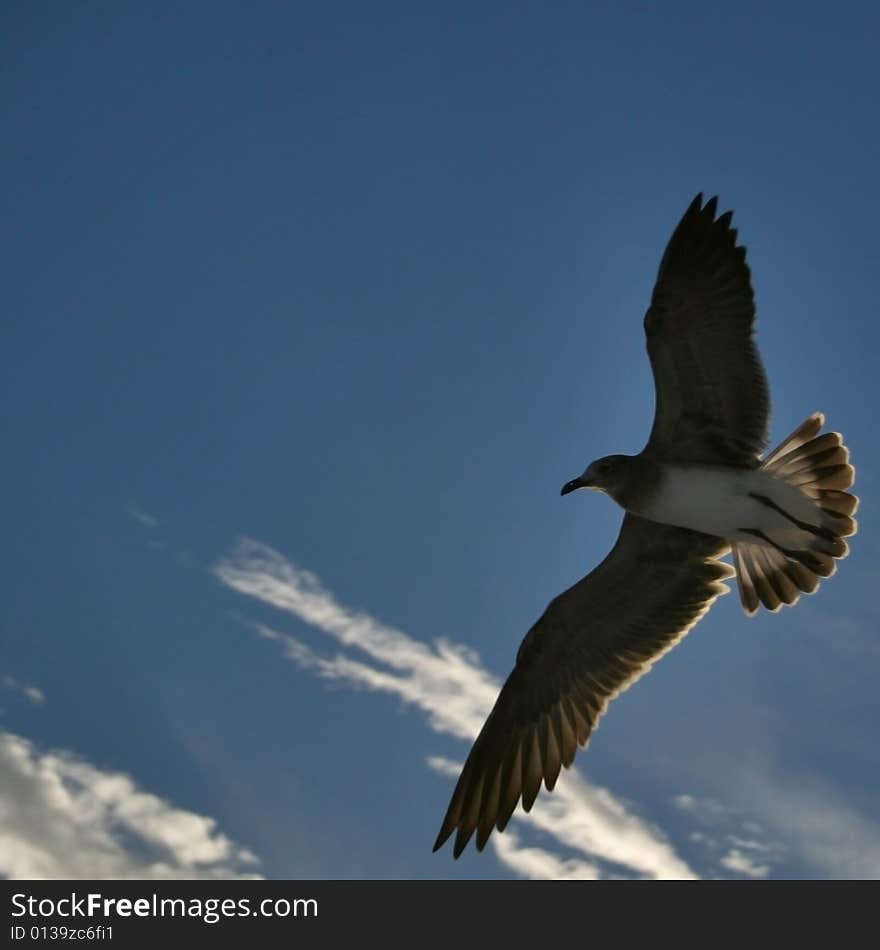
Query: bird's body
point(724, 501)
point(700, 489)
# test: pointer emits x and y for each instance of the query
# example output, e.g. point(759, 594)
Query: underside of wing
point(712, 397)
point(592, 642)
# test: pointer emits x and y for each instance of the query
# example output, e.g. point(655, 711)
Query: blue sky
point(310, 309)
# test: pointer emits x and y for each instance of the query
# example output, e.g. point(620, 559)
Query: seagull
point(699, 490)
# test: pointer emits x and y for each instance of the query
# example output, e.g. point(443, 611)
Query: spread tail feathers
point(818, 466)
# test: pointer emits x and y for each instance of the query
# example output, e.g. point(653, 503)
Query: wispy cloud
point(31, 693)
point(795, 822)
point(448, 683)
point(540, 864)
point(61, 817)
point(742, 863)
point(142, 517)
point(705, 809)
point(821, 828)
point(735, 843)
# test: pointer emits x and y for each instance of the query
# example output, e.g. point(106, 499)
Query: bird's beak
point(580, 482)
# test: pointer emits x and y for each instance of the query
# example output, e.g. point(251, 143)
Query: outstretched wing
point(592, 642)
point(713, 403)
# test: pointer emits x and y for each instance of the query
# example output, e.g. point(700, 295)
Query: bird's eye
point(605, 468)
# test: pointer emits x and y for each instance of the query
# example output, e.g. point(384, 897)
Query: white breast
point(712, 500)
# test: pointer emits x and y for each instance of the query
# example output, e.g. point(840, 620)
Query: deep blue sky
point(364, 283)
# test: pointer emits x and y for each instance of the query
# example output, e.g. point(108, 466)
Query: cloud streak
point(741, 863)
point(450, 686)
point(63, 818)
point(33, 694)
point(142, 517)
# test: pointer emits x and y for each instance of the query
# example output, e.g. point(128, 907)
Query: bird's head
point(609, 474)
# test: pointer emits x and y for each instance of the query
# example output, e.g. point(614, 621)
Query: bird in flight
point(700, 489)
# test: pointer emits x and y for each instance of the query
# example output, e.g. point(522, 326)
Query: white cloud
point(60, 817)
point(539, 864)
point(722, 836)
point(750, 844)
point(705, 809)
point(741, 863)
point(448, 683)
point(31, 693)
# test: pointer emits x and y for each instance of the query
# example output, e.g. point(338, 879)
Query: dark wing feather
point(713, 403)
point(592, 642)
